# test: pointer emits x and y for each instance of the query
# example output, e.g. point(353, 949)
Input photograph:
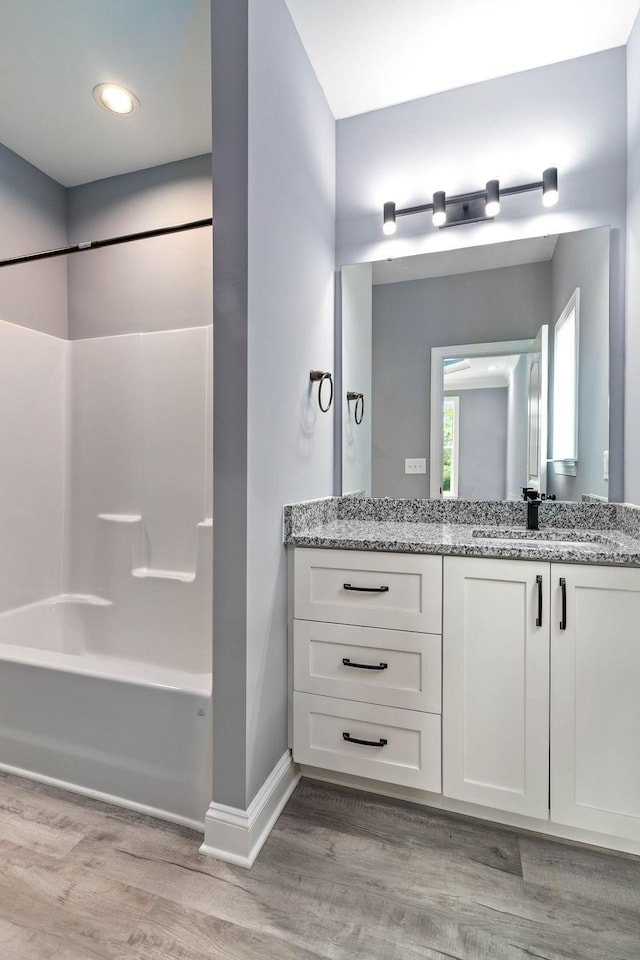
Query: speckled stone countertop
point(570, 533)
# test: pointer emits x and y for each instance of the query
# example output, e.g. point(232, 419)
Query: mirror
point(469, 304)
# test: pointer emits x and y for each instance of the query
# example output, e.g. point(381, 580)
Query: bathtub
point(130, 733)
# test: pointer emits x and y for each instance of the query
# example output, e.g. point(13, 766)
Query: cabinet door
point(595, 699)
point(496, 684)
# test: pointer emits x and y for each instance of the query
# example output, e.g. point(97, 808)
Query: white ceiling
point(480, 373)
point(369, 54)
point(448, 263)
point(53, 53)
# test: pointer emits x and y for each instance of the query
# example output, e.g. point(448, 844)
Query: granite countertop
point(603, 533)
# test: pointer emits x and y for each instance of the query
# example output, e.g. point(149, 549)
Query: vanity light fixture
point(116, 99)
point(492, 206)
point(439, 209)
point(472, 207)
point(550, 187)
point(389, 213)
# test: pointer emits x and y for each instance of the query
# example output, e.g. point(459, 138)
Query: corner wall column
point(229, 35)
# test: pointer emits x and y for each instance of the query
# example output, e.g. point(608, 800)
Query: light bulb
point(389, 218)
point(492, 207)
point(550, 187)
point(439, 217)
point(115, 98)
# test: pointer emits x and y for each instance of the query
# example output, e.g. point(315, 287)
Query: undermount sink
point(555, 538)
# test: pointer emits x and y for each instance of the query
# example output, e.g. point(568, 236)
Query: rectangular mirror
point(504, 306)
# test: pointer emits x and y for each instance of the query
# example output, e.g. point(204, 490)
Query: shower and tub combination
point(106, 565)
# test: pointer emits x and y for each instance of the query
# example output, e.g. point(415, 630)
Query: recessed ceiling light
point(116, 99)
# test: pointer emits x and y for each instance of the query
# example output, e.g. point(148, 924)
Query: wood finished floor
point(345, 875)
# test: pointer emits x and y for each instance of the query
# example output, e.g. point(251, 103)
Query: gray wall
point(33, 219)
point(582, 260)
point(412, 317)
point(273, 283)
point(229, 26)
point(571, 115)
point(482, 450)
point(291, 221)
point(632, 375)
point(162, 283)
point(356, 376)
point(517, 429)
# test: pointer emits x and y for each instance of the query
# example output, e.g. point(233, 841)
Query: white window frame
point(566, 465)
point(455, 447)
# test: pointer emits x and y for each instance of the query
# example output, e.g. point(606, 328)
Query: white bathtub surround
point(237, 836)
point(140, 446)
point(106, 566)
point(33, 383)
point(158, 616)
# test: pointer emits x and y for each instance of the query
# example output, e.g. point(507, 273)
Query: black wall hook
point(320, 376)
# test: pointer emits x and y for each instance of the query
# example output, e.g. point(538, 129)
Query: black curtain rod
point(111, 242)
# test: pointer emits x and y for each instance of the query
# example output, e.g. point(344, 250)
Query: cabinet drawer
point(398, 591)
point(409, 753)
point(391, 667)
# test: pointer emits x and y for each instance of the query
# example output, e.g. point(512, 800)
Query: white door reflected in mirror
point(492, 437)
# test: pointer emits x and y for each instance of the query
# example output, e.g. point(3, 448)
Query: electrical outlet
point(418, 465)
point(605, 464)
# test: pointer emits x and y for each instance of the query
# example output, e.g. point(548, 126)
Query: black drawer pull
point(365, 666)
point(348, 586)
point(539, 617)
point(563, 587)
point(365, 743)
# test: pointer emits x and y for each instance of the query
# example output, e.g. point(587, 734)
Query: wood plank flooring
point(344, 876)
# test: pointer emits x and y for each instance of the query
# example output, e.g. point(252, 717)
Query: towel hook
point(359, 399)
point(321, 376)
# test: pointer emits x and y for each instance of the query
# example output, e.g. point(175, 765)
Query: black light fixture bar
point(468, 197)
point(109, 242)
point(473, 207)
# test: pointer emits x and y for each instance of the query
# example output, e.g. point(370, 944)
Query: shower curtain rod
point(111, 242)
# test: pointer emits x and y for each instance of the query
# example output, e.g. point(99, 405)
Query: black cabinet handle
point(563, 587)
point(539, 617)
point(347, 586)
point(365, 743)
point(365, 666)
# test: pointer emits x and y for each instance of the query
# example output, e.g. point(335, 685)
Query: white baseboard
point(237, 836)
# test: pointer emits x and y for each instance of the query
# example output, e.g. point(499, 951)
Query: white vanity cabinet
point(496, 684)
point(520, 638)
point(367, 665)
point(511, 686)
point(595, 699)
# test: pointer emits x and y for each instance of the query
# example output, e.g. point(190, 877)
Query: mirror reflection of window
point(450, 446)
point(565, 381)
